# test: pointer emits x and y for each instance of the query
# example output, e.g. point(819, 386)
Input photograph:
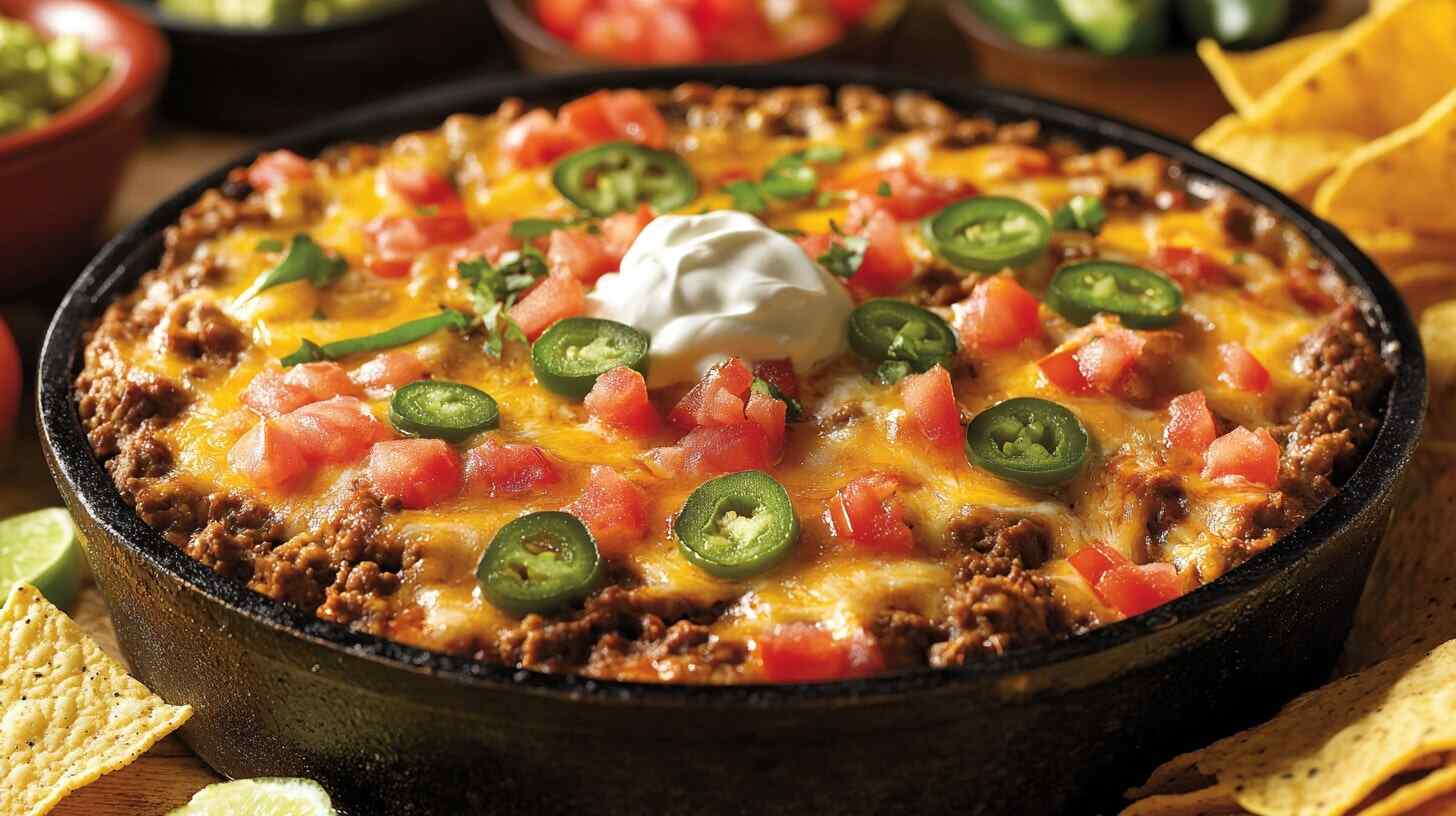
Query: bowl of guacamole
point(41, 76)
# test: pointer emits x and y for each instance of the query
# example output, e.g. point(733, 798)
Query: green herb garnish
point(404, 333)
point(305, 260)
point(1082, 212)
point(795, 409)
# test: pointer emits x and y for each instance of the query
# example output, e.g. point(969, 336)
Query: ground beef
point(906, 638)
point(199, 330)
point(994, 543)
point(1324, 441)
point(213, 214)
point(992, 615)
point(117, 403)
point(624, 633)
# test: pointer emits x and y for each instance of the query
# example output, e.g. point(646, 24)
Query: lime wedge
point(42, 549)
point(259, 797)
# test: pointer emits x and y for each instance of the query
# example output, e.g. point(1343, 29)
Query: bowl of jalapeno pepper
point(1130, 58)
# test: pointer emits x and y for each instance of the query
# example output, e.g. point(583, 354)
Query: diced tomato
point(1014, 161)
point(274, 392)
point(619, 399)
point(718, 399)
point(1092, 561)
point(1241, 369)
point(1133, 589)
point(496, 468)
point(268, 455)
point(554, 298)
point(807, 33)
point(769, 415)
point(815, 245)
point(580, 255)
point(613, 508)
point(852, 11)
point(278, 169)
point(389, 371)
point(487, 242)
point(561, 17)
point(421, 472)
point(1191, 267)
point(867, 512)
point(617, 35)
point(1191, 427)
point(536, 139)
point(674, 39)
point(1061, 369)
point(1250, 455)
point(999, 314)
point(666, 463)
point(780, 374)
point(1106, 359)
point(610, 115)
point(725, 449)
point(621, 229)
point(335, 431)
point(912, 195)
point(887, 263)
point(392, 242)
point(734, 30)
point(420, 186)
point(930, 402)
point(804, 653)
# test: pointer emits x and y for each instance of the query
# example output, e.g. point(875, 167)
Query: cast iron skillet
point(396, 730)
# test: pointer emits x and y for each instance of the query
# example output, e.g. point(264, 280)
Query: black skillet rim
point(1389, 453)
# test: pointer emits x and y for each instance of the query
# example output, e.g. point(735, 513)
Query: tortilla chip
point(1245, 76)
point(1445, 806)
point(1330, 749)
point(1213, 801)
point(1425, 285)
point(1408, 797)
point(1289, 161)
point(1348, 87)
point(1400, 181)
point(68, 713)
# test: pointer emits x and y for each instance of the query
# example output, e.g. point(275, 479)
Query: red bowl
point(57, 180)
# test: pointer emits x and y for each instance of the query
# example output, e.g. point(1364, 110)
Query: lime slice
point(259, 797)
point(42, 549)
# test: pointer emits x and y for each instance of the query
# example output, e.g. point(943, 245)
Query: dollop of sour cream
point(719, 285)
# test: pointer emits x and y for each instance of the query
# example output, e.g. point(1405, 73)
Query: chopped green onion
point(1082, 212)
point(404, 333)
point(746, 197)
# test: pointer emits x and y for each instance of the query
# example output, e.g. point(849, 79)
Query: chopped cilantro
point(746, 197)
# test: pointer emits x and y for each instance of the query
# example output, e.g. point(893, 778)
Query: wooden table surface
point(169, 774)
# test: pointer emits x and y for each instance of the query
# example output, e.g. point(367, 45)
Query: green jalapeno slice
point(570, 355)
point(1140, 297)
point(1029, 441)
point(737, 526)
point(988, 233)
point(539, 562)
point(885, 330)
point(442, 410)
point(619, 176)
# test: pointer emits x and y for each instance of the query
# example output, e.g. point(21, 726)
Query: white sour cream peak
point(707, 287)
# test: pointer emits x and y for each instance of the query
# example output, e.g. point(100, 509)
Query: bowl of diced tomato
point(552, 36)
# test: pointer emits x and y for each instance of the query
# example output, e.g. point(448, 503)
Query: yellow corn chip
point(1289, 161)
point(1330, 749)
point(1213, 801)
point(1402, 180)
point(68, 713)
point(1348, 87)
point(1246, 76)
point(1408, 797)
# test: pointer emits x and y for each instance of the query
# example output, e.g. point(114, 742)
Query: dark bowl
point(257, 79)
point(396, 730)
point(1170, 89)
point(57, 180)
point(542, 52)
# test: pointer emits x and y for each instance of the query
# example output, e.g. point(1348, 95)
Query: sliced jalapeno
point(1142, 298)
point(885, 329)
point(1029, 441)
point(442, 410)
point(738, 525)
point(618, 176)
point(539, 562)
point(988, 233)
point(571, 354)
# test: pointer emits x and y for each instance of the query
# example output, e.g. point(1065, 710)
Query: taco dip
point(715, 385)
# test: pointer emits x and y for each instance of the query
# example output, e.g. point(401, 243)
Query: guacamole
point(39, 76)
point(266, 13)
